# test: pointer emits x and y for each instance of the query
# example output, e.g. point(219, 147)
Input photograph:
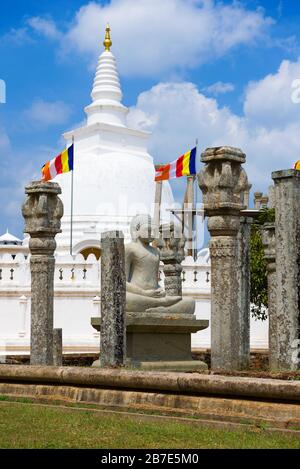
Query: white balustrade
point(77, 290)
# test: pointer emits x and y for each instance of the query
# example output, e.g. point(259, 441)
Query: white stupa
point(113, 171)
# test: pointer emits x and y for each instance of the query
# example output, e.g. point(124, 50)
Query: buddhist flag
point(297, 165)
point(185, 165)
point(58, 165)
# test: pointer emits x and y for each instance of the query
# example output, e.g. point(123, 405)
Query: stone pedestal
point(42, 211)
point(287, 235)
point(160, 341)
point(113, 299)
point(223, 182)
point(269, 243)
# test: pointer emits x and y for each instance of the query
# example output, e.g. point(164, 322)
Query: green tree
point(258, 267)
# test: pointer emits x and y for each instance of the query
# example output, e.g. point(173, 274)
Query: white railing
point(70, 271)
point(76, 272)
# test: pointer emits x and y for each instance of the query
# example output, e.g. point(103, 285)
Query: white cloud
point(45, 27)
point(23, 35)
point(42, 113)
point(269, 101)
point(219, 88)
point(28, 162)
point(153, 37)
point(177, 114)
point(17, 36)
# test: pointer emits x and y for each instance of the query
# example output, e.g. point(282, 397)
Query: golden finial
point(107, 41)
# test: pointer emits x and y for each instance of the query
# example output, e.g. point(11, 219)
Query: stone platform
point(205, 399)
point(160, 341)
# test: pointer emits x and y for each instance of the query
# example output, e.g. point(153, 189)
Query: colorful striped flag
point(58, 165)
point(185, 165)
point(297, 165)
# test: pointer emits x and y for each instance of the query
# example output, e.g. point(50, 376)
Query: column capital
point(224, 153)
point(171, 243)
point(42, 211)
point(285, 174)
point(223, 181)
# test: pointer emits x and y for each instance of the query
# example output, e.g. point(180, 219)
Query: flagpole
point(72, 199)
point(195, 219)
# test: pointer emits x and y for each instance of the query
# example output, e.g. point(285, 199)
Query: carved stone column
point(42, 211)
point(257, 200)
point(223, 182)
point(243, 290)
point(57, 347)
point(113, 300)
point(171, 247)
point(287, 234)
point(269, 243)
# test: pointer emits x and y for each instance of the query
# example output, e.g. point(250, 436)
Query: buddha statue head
point(142, 228)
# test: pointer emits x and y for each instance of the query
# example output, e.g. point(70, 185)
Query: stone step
point(197, 408)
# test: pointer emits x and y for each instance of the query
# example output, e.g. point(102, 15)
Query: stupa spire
point(106, 106)
point(107, 41)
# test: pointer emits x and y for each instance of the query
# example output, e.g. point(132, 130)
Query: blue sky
point(221, 72)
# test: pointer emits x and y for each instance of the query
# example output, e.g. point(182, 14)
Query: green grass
point(31, 426)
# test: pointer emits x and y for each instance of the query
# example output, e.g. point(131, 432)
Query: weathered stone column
point(243, 291)
point(57, 347)
point(243, 274)
point(42, 211)
point(171, 247)
point(113, 300)
point(223, 182)
point(268, 239)
point(257, 200)
point(287, 235)
point(247, 195)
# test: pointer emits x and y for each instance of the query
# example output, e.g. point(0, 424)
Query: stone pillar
point(57, 347)
point(223, 182)
point(271, 196)
point(287, 235)
point(247, 195)
point(257, 200)
point(113, 300)
point(269, 244)
point(42, 211)
point(171, 247)
point(157, 205)
point(243, 291)
point(188, 216)
point(264, 202)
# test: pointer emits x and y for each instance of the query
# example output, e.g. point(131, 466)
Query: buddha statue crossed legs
point(143, 293)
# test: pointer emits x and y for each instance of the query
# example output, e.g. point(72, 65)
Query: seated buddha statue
point(143, 293)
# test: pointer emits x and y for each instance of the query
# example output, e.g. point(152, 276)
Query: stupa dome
point(113, 175)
